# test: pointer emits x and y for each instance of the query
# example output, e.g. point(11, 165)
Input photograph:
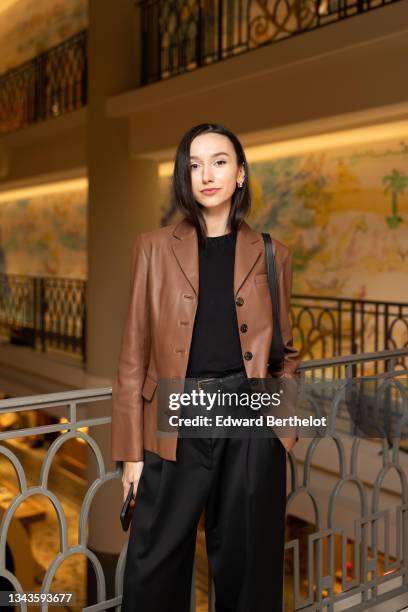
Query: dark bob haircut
point(182, 198)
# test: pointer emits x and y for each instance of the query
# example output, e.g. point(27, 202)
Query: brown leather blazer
point(159, 324)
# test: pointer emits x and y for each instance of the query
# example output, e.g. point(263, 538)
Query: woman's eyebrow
point(215, 155)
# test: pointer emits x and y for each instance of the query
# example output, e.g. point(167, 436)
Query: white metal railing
point(366, 587)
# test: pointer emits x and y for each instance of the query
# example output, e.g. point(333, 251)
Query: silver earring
point(240, 183)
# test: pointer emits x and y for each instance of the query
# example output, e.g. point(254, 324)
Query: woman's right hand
point(131, 473)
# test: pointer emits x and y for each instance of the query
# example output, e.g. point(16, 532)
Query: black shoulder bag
point(277, 348)
point(277, 353)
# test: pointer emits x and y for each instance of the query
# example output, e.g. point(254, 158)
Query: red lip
point(209, 191)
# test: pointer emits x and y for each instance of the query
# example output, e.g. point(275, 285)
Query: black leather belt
point(219, 380)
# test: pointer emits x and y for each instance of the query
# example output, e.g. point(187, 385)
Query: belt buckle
point(204, 380)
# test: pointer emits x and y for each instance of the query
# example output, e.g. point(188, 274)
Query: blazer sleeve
point(291, 354)
point(127, 401)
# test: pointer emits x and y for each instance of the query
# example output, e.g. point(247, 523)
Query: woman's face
point(214, 170)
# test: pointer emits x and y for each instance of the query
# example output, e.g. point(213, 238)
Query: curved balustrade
point(353, 554)
point(325, 326)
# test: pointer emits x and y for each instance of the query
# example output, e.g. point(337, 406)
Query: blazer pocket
point(261, 278)
point(149, 387)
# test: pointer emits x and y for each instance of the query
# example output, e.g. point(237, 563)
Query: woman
point(200, 309)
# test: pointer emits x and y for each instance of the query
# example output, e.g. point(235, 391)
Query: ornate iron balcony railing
point(355, 561)
point(325, 326)
point(47, 86)
point(44, 313)
point(47, 313)
point(182, 35)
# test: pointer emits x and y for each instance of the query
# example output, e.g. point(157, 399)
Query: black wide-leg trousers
point(241, 485)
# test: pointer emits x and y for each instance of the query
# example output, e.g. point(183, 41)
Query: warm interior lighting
point(33, 191)
point(320, 142)
point(83, 429)
point(323, 7)
point(63, 420)
point(5, 4)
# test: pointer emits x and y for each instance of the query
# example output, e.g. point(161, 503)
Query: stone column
point(123, 201)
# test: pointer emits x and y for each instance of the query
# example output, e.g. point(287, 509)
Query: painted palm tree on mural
point(395, 182)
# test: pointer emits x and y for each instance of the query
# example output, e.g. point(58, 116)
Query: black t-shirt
point(215, 346)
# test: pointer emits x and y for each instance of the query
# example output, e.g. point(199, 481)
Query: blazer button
point(239, 301)
point(244, 328)
point(248, 355)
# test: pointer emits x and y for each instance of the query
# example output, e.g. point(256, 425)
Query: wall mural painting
point(45, 235)
point(29, 27)
point(344, 215)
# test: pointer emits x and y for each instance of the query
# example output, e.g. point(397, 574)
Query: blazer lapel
point(185, 249)
point(249, 247)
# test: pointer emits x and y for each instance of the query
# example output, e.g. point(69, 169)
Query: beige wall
point(53, 146)
point(335, 74)
point(350, 66)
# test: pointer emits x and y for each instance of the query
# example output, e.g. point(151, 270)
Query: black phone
point(127, 509)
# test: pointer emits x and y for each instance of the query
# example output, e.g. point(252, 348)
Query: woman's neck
point(217, 222)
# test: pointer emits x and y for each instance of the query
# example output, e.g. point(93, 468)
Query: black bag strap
point(277, 351)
